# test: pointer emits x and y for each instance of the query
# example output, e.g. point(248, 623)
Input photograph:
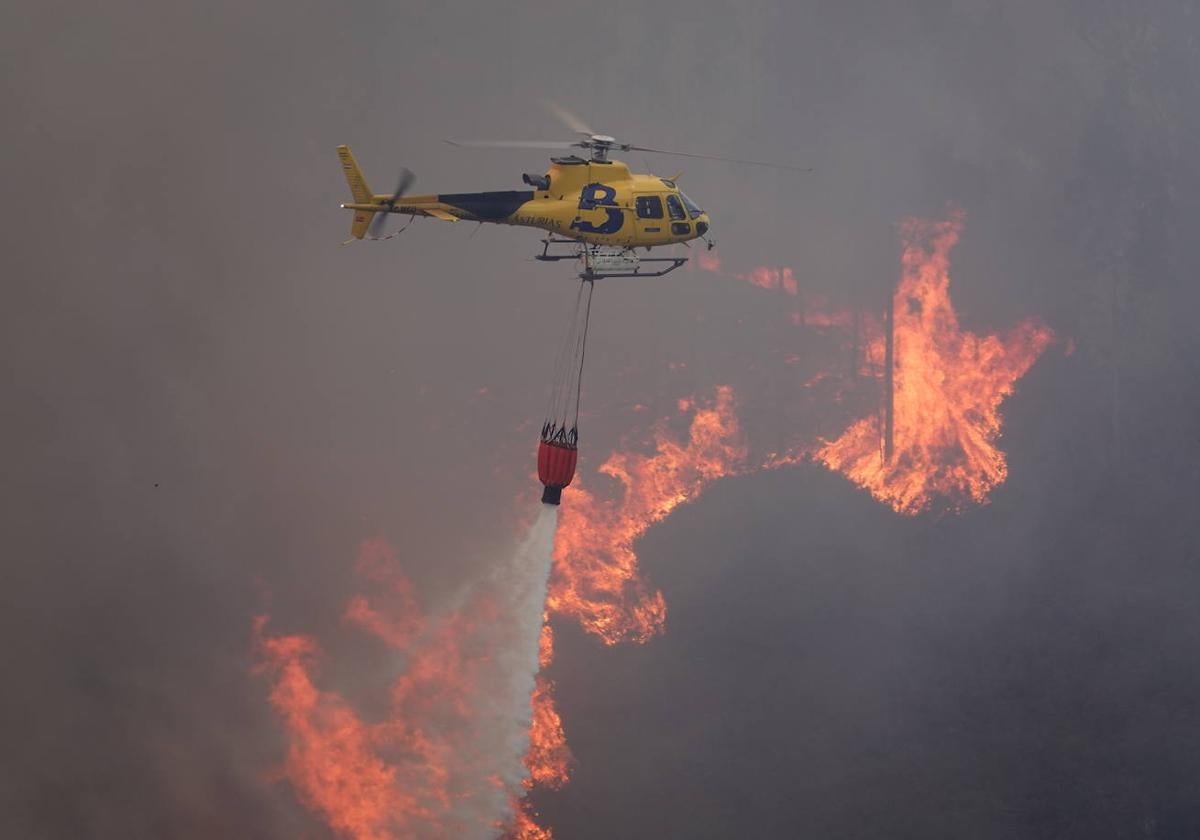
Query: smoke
point(211, 398)
point(447, 758)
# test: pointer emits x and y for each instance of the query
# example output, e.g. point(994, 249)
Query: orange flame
point(549, 758)
point(763, 276)
point(402, 776)
point(595, 579)
point(333, 758)
point(948, 387)
point(946, 418)
point(418, 772)
point(818, 314)
point(525, 825)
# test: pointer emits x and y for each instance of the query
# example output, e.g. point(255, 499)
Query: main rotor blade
point(715, 157)
point(568, 119)
point(513, 144)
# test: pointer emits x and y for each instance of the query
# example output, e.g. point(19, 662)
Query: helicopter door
point(651, 218)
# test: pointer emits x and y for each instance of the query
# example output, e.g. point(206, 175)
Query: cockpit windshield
point(693, 209)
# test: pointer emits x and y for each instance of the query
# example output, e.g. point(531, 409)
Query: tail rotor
point(403, 185)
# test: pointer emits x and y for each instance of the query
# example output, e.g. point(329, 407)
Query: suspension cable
point(587, 316)
point(567, 382)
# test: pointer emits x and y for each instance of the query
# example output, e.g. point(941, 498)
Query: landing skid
point(601, 261)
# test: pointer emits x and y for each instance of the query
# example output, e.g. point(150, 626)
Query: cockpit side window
point(649, 207)
point(675, 208)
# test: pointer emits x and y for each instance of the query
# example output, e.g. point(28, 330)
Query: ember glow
point(949, 385)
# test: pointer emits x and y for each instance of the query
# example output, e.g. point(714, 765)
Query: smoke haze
point(209, 404)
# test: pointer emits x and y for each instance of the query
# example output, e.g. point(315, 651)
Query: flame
point(525, 825)
point(768, 277)
point(819, 315)
point(948, 387)
point(333, 758)
point(433, 765)
point(406, 775)
point(549, 758)
point(763, 276)
point(400, 777)
point(401, 621)
point(595, 579)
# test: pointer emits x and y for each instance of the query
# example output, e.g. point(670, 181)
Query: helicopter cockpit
point(696, 214)
point(681, 209)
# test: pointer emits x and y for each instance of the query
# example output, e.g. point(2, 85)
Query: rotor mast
point(599, 144)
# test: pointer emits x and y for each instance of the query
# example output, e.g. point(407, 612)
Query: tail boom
point(500, 207)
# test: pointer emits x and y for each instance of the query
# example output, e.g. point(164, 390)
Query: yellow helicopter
point(593, 209)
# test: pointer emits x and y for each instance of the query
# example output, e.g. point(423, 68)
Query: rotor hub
point(600, 144)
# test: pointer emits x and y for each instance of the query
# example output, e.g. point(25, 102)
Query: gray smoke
point(208, 403)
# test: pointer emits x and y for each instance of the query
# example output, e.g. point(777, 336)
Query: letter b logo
point(595, 196)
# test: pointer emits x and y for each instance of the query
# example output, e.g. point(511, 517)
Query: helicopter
point(593, 209)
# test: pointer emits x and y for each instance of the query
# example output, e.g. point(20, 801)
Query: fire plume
point(948, 387)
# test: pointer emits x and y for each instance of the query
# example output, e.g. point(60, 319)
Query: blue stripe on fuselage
point(491, 206)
